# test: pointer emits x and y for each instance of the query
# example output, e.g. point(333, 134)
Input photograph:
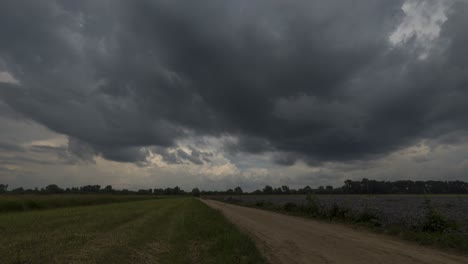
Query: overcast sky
point(217, 93)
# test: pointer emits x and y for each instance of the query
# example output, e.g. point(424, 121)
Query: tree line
point(364, 186)
point(55, 189)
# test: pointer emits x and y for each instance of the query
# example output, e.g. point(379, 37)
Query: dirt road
point(289, 239)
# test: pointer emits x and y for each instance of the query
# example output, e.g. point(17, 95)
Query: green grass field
point(10, 203)
point(173, 230)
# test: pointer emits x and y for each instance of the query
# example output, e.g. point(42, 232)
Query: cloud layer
point(316, 81)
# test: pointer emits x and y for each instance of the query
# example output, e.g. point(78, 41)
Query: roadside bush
point(313, 205)
point(340, 213)
point(231, 199)
point(369, 216)
point(434, 221)
point(288, 207)
point(260, 203)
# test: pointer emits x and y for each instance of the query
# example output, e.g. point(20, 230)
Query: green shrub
point(231, 199)
point(289, 207)
point(313, 206)
point(260, 203)
point(434, 221)
point(340, 213)
point(369, 216)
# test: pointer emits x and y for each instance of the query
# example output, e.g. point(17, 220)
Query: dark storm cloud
point(5, 169)
point(316, 80)
point(167, 156)
point(21, 160)
point(7, 112)
point(81, 150)
point(5, 146)
point(248, 144)
point(286, 159)
point(184, 155)
point(74, 153)
point(180, 156)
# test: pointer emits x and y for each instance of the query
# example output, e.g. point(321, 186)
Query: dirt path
point(289, 239)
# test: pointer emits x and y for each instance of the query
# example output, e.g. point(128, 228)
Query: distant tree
point(329, 188)
point(90, 188)
point(19, 190)
point(230, 191)
point(437, 187)
point(305, 190)
point(257, 192)
point(268, 189)
point(457, 187)
point(321, 189)
point(285, 189)
point(173, 191)
point(238, 190)
point(364, 186)
point(277, 191)
point(196, 192)
point(158, 191)
point(144, 191)
point(53, 188)
point(168, 191)
point(3, 188)
point(352, 187)
point(108, 189)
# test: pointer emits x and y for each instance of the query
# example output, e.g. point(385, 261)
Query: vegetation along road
point(289, 239)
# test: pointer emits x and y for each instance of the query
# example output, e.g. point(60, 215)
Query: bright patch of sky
point(6, 77)
point(422, 23)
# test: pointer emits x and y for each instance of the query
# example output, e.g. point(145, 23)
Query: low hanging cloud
point(312, 80)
